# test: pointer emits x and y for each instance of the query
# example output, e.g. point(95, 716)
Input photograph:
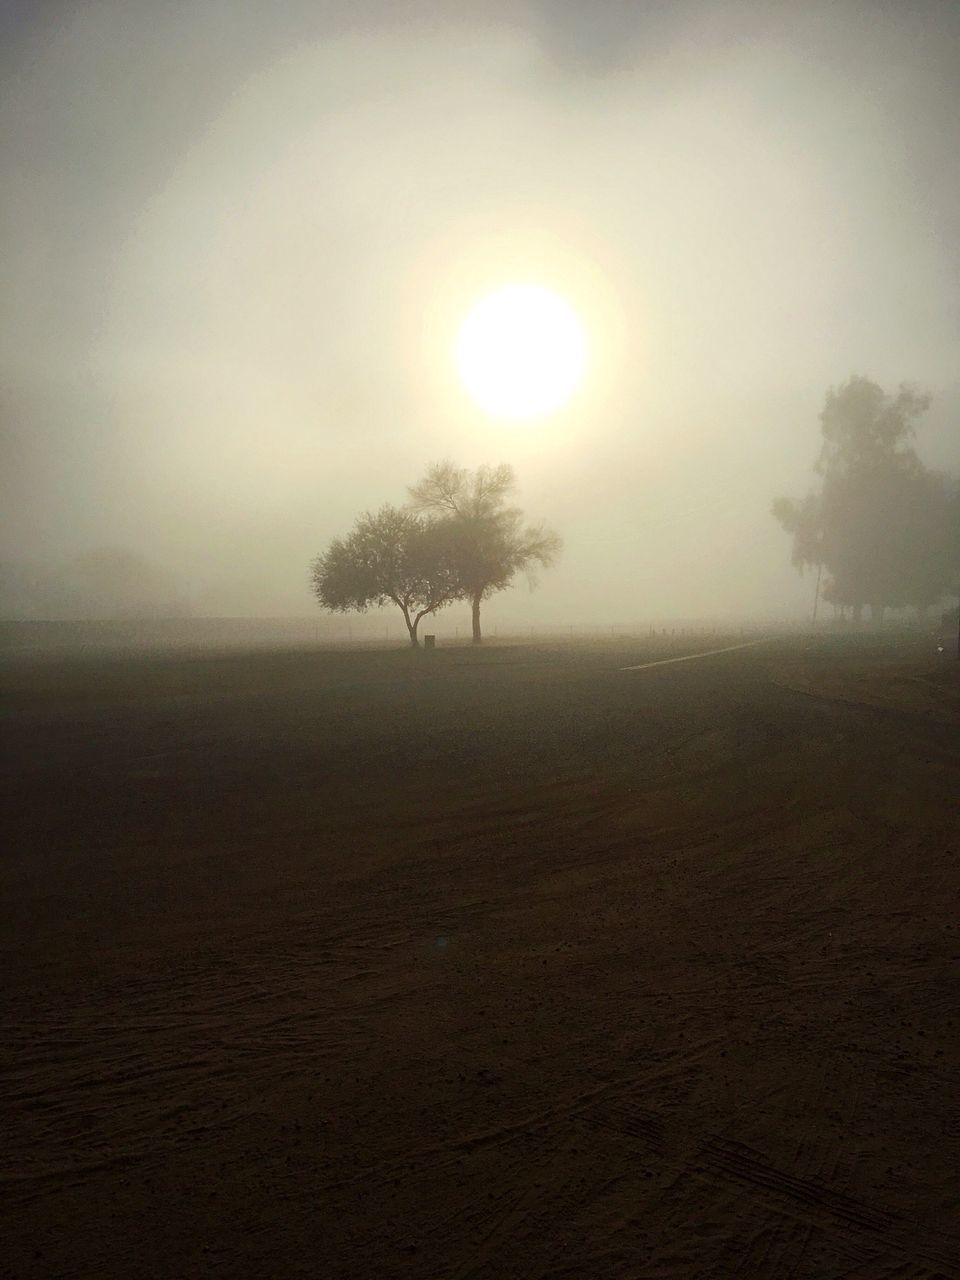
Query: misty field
point(483, 963)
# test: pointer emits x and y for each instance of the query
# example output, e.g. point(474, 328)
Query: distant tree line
point(106, 583)
point(456, 539)
point(881, 527)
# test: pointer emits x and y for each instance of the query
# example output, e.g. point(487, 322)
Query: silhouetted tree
point(393, 556)
point(490, 542)
point(923, 540)
point(804, 520)
point(880, 523)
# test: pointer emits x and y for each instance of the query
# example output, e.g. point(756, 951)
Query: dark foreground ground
point(500, 964)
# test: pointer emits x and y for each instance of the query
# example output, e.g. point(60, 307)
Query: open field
point(483, 964)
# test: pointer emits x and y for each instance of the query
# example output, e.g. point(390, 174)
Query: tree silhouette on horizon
point(492, 543)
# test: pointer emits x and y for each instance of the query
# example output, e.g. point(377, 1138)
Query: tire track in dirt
point(882, 1267)
point(793, 1210)
point(729, 1160)
point(559, 1120)
point(634, 1123)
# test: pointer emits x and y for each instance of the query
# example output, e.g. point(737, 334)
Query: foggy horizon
point(239, 243)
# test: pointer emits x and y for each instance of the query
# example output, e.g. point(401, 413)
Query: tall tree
point(395, 556)
point(879, 522)
point(862, 426)
point(492, 544)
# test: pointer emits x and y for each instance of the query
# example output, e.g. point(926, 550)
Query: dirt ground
point(490, 964)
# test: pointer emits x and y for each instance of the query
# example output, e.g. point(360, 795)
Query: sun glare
point(520, 351)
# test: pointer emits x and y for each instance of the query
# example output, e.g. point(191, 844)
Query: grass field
point(485, 963)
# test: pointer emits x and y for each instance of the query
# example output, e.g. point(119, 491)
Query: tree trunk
point(816, 595)
point(477, 635)
point(411, 627)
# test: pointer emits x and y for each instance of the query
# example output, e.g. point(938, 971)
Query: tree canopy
point(491, 543)
point(394, 556)
point(884, 527)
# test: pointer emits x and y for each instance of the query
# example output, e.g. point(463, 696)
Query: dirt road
point(496, 964)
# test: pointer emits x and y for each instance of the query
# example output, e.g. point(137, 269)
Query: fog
point(238, 241)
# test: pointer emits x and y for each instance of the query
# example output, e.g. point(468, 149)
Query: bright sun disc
point(520, 351)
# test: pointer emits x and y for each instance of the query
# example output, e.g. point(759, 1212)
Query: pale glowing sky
point(240, 241)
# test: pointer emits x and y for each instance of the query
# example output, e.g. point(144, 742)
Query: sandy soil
point(500, 964)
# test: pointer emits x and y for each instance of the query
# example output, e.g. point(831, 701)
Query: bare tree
point(490, 541)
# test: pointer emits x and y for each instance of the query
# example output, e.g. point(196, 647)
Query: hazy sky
point(238, 239)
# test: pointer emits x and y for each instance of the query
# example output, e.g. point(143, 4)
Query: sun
point(521, 351)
